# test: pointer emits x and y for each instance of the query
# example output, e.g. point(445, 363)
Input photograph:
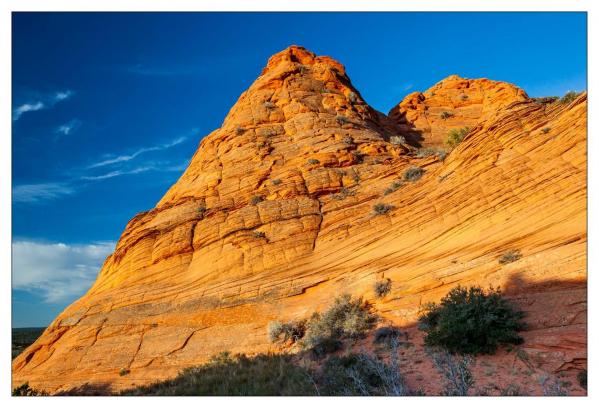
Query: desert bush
point(284, 332)
point(24, 390)
point(431, 151)
point(569, 97)
point(240, 131)
point(259, 234)
point(256, 199)
point(346, 318)
point(456, 371)
point(582, 378)
point(313, 161)
point(446, 115)
point(352, 97)
point(552, 387)
point(344, 192)
point(393, 187)
point(471, 321)
point(276, 182)
point(342, 120)
point(382, 288)
point(511, 390)
point(264, 374)
point(386, 335)
point(413, 173)
point(546, 99)
point(362, 374)
point(325, 347)
point(269, 105)
point(124, 371)
point(463, 97)
point(546, 130)
point(510, 256)
point(382, 208)
point(397, 140)
point(455, 136)
point(348, 140)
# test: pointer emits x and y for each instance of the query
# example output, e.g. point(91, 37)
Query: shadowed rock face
point(274, 217)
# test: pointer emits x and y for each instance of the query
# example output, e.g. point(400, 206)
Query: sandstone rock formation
point(452, 103)
point(274, 217)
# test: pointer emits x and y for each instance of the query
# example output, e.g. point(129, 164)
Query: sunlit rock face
point(275, 216)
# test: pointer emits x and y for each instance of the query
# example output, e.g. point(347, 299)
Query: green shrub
point(546, 99)
point(264, 374)
point(393, 187)
point(24, 390)
point(326, 346)
point(463, 97)
point(382, 208)
point(456, 371)
point(446, 115)
point(455, 136)
point(124, 371)
point(313, 161)
point(511, 390)
point(431, 151)
point(397, 140)
point(348, 140)
point(269, 105)
point(382, 288)
point(510, 256)
point(344, 192)
point(413, 173)
point(546, 130)
point(202, 211)
point(342, 120)
point(276, 182)
point(284, 332)
point(471, 321)
point(569, 97)
point(352, 97)
point(362, 374)
point(240, 131)
point(256, 199)
point(582, 378)
point(386, 335)
point(346, 318)
point(259, 234)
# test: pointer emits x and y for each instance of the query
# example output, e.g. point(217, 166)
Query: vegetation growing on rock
point(455, 137)
point(471, 321)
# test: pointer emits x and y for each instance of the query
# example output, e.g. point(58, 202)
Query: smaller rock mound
point(454, 102)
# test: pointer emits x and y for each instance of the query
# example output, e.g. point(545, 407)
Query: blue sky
point(108, 108)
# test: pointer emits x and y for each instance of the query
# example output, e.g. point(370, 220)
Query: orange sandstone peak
point(274, 217)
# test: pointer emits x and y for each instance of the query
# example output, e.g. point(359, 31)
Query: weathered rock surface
point(274, 217)
point(427, 117)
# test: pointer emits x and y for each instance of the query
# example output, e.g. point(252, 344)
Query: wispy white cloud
point(117, 173)
point(44, 102)
point(407, 87)
point(32, 193)
point(68, 128)
point(127, 157)
point(62, 95)
point(80, 178)
point(56, 271)
point(27, 107)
